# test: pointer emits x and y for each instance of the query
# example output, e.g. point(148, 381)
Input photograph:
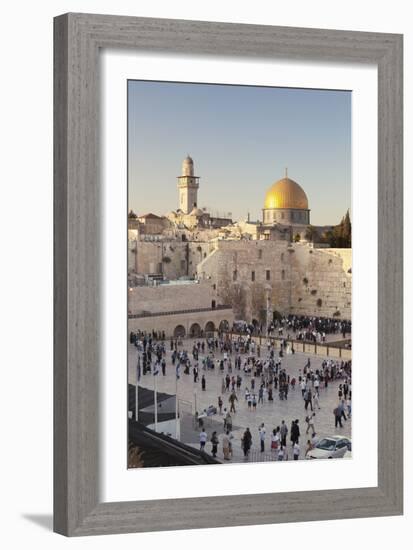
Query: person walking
point(283, 433)
point(226, 445)
point(275, 439)
point(281, 453)
point(202, 440)
point(337, 417)
point(254, 402)
point(295, 432)
point(309, 447)
point(310, 423)
point(214, 441)
point(232, 398)
point(203, 383)
point(261, 431)
point(246, 442)
point(220, 403)
point(308, 399)
point(342, 407)
point(228, 422)
point(249, 401)
point(316, 400)
point(296, 451)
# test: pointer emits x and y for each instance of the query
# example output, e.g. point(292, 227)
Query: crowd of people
point(251, 376)
point(299, 327)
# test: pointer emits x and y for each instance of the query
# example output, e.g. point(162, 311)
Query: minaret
point(188, 186)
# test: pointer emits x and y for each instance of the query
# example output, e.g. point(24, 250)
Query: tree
point(346, 231)
point(342, 233)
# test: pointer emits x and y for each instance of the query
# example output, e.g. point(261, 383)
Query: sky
point(241, 139)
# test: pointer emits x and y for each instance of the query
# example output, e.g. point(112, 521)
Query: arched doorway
point(209, 328)
point(195, 331)
point(179, 331)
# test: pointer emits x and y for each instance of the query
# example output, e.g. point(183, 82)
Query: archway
point(209, 327)
point(179, 331)
point(195, 331)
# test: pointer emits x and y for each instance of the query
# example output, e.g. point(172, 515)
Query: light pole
point(177, 430)
point(138, 376)
point(269, 308)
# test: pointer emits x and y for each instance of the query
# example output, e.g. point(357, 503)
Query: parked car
point(335, 446)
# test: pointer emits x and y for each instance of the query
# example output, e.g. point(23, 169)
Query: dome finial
point(286, 172)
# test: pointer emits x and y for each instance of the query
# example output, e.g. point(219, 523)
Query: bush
point(336, 314)
point(313, 292)
point(166, 260)
point(319, 302)
point(305, 281)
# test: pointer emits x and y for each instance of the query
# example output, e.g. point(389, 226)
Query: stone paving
point(271, 413)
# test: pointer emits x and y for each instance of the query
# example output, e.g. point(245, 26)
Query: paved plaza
point(271, 413)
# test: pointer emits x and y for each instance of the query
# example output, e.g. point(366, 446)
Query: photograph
point(239, 274)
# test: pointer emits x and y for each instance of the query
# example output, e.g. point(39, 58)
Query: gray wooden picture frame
point(78, 39)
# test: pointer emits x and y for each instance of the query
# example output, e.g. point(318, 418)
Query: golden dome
point(286, 193)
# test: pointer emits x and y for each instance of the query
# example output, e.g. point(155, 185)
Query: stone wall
point(244, 271)
point(321, 282)
point(171, 297)
point(297, 277)
point(170, 258)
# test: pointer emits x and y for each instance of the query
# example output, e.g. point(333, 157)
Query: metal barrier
point(257, 456)
point(312, 348)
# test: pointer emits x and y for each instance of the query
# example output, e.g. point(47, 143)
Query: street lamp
point(269, 308)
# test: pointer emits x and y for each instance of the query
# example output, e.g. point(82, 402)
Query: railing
point(257, 456)
point(177, 312)
point(312, 348)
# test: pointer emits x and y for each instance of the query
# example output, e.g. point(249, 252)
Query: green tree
point(340, 235)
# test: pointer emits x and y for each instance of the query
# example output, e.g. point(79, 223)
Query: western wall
point(298, 278)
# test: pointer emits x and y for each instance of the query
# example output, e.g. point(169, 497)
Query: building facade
point(252, 268)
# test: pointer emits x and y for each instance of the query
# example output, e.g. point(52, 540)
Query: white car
point(335, 446)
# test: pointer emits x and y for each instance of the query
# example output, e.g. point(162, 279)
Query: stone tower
point(188, 186)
